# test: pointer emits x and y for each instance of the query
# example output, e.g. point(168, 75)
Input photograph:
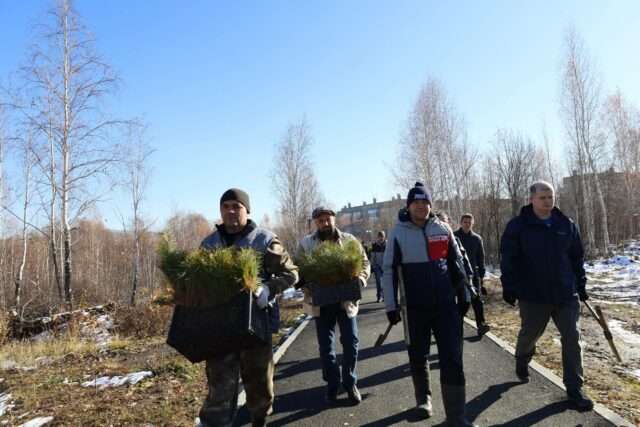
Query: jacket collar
point(230, 239)
point(530, 217)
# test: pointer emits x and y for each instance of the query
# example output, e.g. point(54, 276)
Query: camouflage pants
point(256, 367)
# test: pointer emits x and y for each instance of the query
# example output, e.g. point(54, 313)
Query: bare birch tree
point(580, 104)
point(28, 163)
point(434, 149)
point(294, 182)
point(137, 181)
point(519, 163)
point(67, 83)
point(623, 121)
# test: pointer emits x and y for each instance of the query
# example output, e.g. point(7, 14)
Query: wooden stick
point(383, 336)
point(599, 316)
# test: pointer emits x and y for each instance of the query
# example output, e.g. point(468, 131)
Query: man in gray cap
point(255, 365)
point(343, 313)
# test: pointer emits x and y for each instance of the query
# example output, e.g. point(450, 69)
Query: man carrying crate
point(328, 312)
point(254, 365)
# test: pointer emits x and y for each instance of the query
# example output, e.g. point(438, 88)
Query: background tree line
point(71, 152)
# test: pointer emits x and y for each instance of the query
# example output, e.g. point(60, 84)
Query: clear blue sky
point(218, 82)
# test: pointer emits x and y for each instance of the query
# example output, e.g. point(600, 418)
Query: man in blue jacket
point(542, 267)
point(423, 262)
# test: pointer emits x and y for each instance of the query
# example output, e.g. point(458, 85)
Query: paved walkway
point(494, 395)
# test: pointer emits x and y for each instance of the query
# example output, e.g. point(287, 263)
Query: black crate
point(331, 294)
point(200, 333)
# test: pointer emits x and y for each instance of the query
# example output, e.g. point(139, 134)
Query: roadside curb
point(601, 410)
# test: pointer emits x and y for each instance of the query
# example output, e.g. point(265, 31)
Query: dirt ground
point(607, 381)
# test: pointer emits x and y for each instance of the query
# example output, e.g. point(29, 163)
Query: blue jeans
point(326, 330)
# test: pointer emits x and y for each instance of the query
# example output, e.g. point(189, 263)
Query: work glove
point(262, 296)
point(509, 297)
point(394, 316)
point(582, 294)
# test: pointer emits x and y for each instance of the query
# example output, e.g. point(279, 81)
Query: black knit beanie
point(236, 194)
point(418, 192)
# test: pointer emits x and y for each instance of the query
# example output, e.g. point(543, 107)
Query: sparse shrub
point(142, 321)
point(4, 327)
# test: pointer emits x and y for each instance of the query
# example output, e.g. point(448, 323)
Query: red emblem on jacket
point(438, 247)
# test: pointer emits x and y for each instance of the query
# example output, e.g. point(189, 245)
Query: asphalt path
point(495, 397)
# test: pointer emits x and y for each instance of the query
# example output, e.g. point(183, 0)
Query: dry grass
point(172, 397)
point(606, 380)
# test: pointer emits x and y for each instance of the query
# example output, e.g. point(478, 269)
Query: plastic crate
point(331, 294)
point(200, 333)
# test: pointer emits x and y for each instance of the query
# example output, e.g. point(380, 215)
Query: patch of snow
point(42, 337)
point(635, 373)
point(293, 294)
point(616, 278)
point(630, 339)
point(5, 403)
point(117, 381)
point(38, 422)
point(7, 364)
point(98, 330)
point(286, 331)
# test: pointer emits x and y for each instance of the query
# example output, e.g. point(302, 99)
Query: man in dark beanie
point(237, 195)
point(423, 262)
point(255, 365)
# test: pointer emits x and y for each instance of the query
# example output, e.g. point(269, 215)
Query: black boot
point(522, 369)
point(453, 397)
point(422, 388)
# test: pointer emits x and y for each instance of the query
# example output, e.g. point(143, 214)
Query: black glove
point(394, 316)
point(509, 297)
point(582, 294)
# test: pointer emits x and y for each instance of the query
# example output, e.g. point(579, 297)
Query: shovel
point(599, 316)
point(383, 336)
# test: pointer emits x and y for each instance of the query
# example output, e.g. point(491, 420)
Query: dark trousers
point(477, 304)
point(534, 318)
point(377, 272)
point(445, 322)
point(326, 331)
point(256, 367)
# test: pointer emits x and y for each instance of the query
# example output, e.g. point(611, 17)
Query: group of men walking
point(427, 276)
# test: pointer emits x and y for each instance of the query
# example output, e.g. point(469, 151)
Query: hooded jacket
point(426, 259)
point(540, 263)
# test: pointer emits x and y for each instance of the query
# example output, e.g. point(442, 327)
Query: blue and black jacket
point(542, 263)
point(427, 260)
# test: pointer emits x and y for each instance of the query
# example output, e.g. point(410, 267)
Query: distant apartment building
point(365, 220)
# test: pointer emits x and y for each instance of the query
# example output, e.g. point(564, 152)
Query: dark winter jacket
point(376, 255)
point(540, 263)
point(428, 262)
point(472, 243)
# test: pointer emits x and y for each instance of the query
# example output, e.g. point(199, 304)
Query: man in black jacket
point(472, 243)
point(542, 267)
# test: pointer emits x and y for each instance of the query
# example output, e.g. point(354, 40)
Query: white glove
point(262, 296)
point(363, 282)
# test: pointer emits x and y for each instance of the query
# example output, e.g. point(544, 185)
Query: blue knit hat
point(418, 192)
